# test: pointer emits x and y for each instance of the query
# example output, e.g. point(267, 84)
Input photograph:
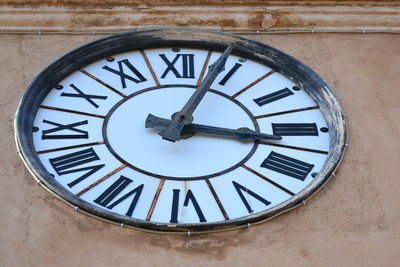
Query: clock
point(180, 130)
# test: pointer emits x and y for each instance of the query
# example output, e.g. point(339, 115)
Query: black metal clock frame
point(288, 66)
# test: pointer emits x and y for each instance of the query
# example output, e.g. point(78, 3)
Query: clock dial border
point(209, 176)
point(187, 37)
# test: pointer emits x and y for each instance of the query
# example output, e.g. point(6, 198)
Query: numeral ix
point(46, 134)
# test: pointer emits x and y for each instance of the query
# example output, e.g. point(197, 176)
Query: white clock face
point(89, 132)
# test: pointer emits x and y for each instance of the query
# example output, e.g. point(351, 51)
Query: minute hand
point(179, 119)
point(240, 134)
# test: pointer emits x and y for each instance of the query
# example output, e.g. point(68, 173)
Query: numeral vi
point(189, 197)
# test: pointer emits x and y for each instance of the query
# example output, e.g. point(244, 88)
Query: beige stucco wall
point(353, 221)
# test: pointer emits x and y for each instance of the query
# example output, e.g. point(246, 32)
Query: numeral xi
point(120, 72)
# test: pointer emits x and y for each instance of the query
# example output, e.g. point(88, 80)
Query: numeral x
point(81, 94)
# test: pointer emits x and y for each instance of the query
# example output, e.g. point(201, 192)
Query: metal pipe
point(243, 32)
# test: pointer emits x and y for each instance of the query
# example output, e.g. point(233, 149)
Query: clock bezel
point(186, 37)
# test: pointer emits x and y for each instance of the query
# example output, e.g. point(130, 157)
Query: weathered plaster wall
point(353, 221)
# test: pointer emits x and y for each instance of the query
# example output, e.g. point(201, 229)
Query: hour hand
point(243, 134)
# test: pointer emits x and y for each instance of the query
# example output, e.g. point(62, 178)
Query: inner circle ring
point(122, 160)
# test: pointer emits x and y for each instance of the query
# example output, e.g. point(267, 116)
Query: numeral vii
point(286, 165)
point(187, 66)
point(73, 162)
point(46, 134)
point(114, 190)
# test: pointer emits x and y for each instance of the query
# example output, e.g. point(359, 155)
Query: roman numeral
point(70, 163)
point(187, 66)
point(230, 73)
point(261, 101)
point(114, 190)
point(295, 129)
point(140, 78)
point(81, 94)
point(189, 197)
point(46, 134)
point(288, 166)
point(240, 189)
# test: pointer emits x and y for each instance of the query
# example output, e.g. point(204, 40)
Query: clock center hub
point(145, 151)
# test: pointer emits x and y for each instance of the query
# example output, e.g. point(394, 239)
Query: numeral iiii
point(286, 165)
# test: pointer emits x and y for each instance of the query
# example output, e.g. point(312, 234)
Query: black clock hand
point(172, 131)
point(241, 133)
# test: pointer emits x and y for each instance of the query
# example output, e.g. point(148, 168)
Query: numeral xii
point(187, 66)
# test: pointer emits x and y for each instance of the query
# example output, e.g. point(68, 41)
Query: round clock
point(180, 130)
